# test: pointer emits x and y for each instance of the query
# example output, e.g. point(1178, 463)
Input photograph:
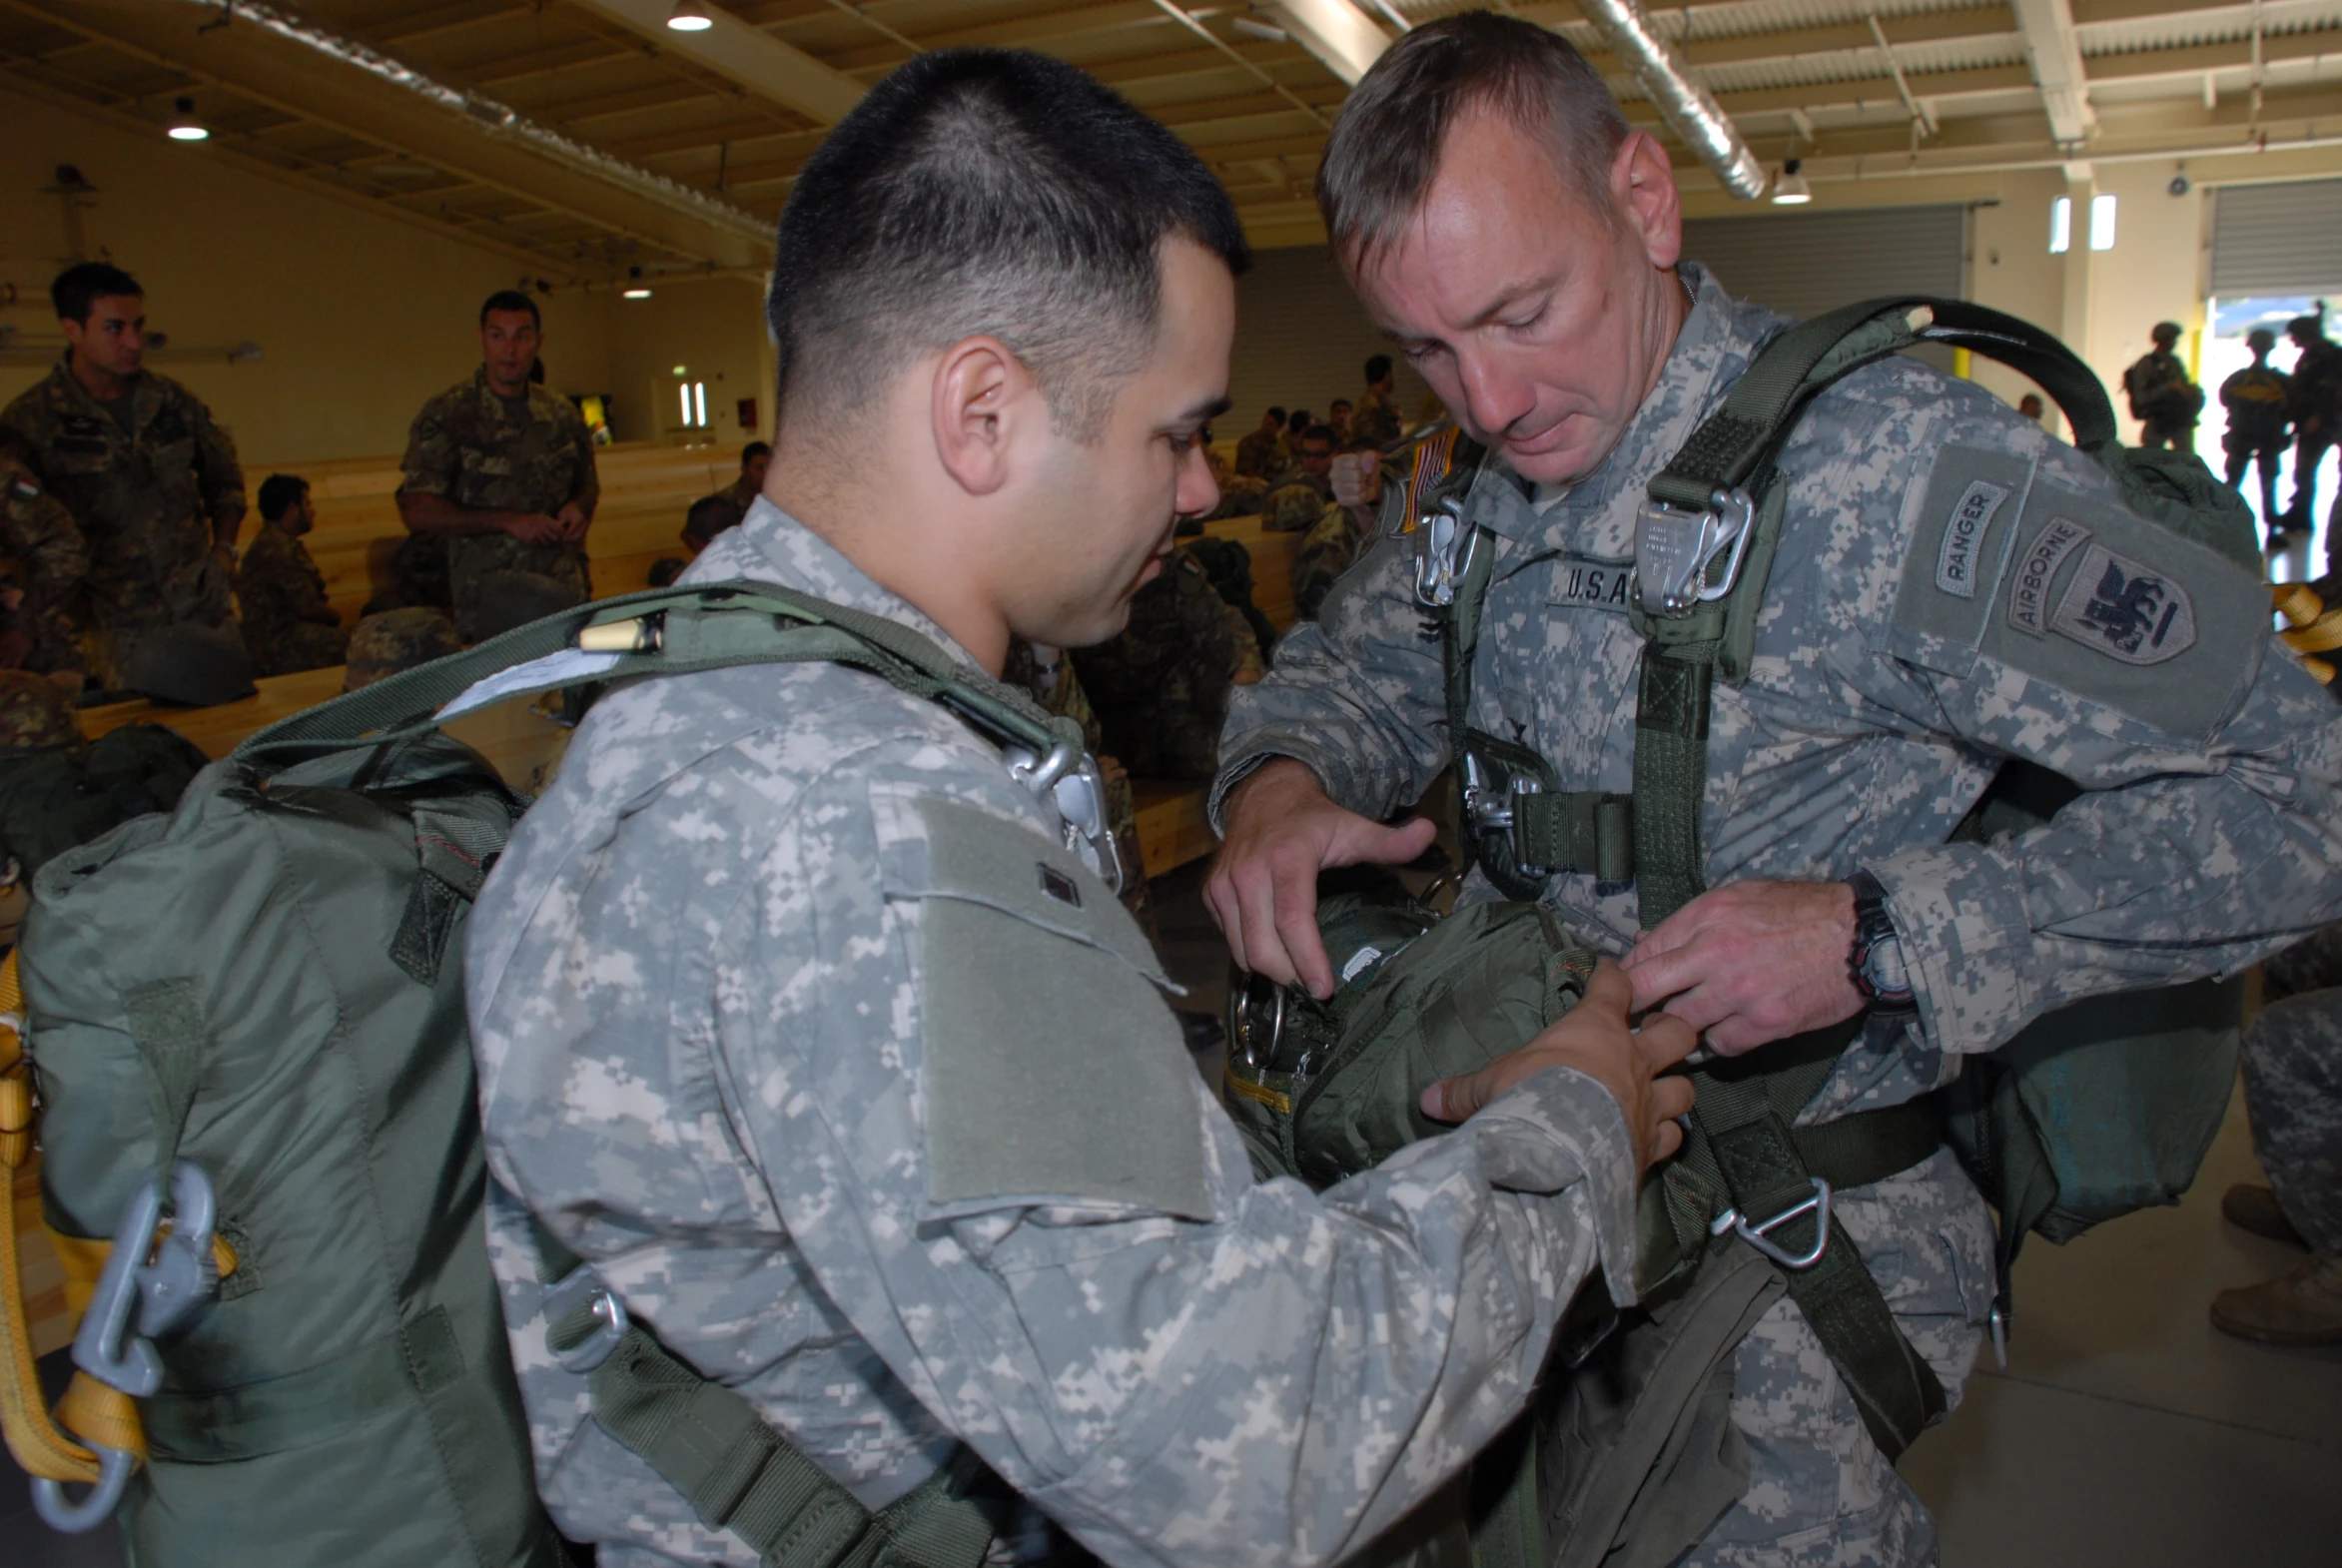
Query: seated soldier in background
point(503, 470)
point(394, 640)
point(1161, 688)
point(1295, 423)
point(712, 514)
point(1337, 419)
point(1261, 454)
point(288, 624)
point(1239, 494)
point(1377, 418)
point(1341, 530)
point(42, 564)
point(1299, 497)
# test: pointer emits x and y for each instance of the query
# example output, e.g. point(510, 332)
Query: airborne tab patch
point(2126, 610)
point(2028, 589)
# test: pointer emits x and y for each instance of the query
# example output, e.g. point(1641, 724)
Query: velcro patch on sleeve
point(2083, 593)
point(1054, 1071)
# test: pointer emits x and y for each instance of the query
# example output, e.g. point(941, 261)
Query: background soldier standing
point(43, 566)
point(1376, 418)
point(288, 623)
point(2258, 399)
point(150, 479)
point(504, 471)
point(2161, 396)
point(2317, 401)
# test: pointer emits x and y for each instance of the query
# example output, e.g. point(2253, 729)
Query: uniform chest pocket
point(1054, 1071)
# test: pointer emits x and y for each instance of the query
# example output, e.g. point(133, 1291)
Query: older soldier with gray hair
point(814, 1030)
point(1524, 247)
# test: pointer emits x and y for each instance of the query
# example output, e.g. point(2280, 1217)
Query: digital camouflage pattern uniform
point(474, 448)
point(42, 552)
point(1330, 549)
point(388, 642)
point(1881, 700)
point(1161, 687)
point(276, 581)
point(1375, 419)
point(35, 713)
point(1294, 502)
point(739, 988)
point(148, 505)
point(2293, 1089)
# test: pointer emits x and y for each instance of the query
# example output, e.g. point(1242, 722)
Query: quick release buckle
point(1760, 1236)
point(582, 1288)
point(1443, 550)
point(1493, 811)
point(1673, 547)
point(1068, 778)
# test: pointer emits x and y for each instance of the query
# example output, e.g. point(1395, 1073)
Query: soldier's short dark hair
point(512, 300)
point(1321, 433)
point(753, 450)
point(278, 494)
point(1385, 149)
point(1275, 413)
point(1301, 420)
point(1377, 366)
point(77, 290)
point(986, 191)
point(1338, 404)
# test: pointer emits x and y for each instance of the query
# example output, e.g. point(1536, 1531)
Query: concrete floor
point(2125, 1432)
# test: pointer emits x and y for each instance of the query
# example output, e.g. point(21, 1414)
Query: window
point(691, 400)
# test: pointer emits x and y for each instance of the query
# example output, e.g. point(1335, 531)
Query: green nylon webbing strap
point(712, 626)
point(1671, 776)
point(740, 1474)
point(1578, 830)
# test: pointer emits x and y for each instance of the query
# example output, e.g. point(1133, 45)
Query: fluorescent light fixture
point(2101, 222)
point(699, 404)
point(689, 16)
point(2061, 225)
point(635, 293)
point(1251, 27)
point(1789, 187)
point(184, 125)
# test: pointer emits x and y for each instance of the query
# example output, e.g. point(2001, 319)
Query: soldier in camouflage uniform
point(813, 1032)
point(150, 479)
point(1239, 495)
point(712, 514)
point(43, 566)
point(1298, 497)
point(1161, 687)
point(2293, 1089)
point(1261, 454)
point(503, 470)
point(1884, 691)
point(288, 623)
point(1332, 545)
point(1377, 416)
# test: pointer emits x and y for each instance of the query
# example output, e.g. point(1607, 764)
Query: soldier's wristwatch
point(1875, 963)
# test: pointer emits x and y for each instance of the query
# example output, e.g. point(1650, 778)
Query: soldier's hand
point(1595, 1040)
point(534, 527)
point(1751, 962)
point(1282, 830)
point(574, 522)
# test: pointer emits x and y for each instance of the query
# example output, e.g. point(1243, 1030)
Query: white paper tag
point(566, 668)
point(1360, 961)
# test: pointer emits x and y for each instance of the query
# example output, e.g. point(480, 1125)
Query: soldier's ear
point(984, 405)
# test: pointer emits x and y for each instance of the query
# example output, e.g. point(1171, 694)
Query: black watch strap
point(1874, 940)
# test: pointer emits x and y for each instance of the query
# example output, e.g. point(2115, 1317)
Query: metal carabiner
point(1760, 1237)
point(152, 1278)
point(1675, 547)
point(61, 1513)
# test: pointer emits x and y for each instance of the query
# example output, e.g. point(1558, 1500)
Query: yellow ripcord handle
point(39, 1446)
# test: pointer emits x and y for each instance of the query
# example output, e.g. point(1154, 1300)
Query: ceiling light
point(1251, 28)
point(1790, 188)
point(689, 16)
point(184, 125)
point(636, 292)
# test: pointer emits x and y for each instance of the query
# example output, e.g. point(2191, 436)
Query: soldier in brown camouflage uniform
point(288, 624)
point(503, 470)
point(1377, 416)
point(388, 642)
point(1298, 498)
point(149, 478)
point(712, 514)
point(1261, 454)
point(43, 562)
point(1161, 688)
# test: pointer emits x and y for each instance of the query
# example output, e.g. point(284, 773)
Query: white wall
point(1303, 339)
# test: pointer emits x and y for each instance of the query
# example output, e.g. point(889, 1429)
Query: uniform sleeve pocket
point(1054, 1071)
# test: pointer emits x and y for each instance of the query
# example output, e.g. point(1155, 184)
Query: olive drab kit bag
point(2092, 1111)
point(262, 1160)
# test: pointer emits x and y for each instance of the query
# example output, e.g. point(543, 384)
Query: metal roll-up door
point(1802, 264)
point(2277, 240)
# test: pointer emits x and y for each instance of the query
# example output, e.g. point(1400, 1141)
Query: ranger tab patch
point(1957, 558)
point(2126, 610)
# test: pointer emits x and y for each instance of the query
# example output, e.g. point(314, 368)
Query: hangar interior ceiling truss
point(586, 140)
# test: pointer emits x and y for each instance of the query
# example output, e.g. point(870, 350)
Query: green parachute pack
point(2092, 1111)
point(262, 1157)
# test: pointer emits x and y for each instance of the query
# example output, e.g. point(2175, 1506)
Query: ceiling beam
point(2054, 54)
point(1337, 32)
point(748, 55)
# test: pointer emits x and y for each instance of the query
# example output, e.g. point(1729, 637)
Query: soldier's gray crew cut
point(984, 191)
point(1385, 149)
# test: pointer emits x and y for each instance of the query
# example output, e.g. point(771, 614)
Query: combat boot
point(2303, 1307)
point(2249, 1205)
